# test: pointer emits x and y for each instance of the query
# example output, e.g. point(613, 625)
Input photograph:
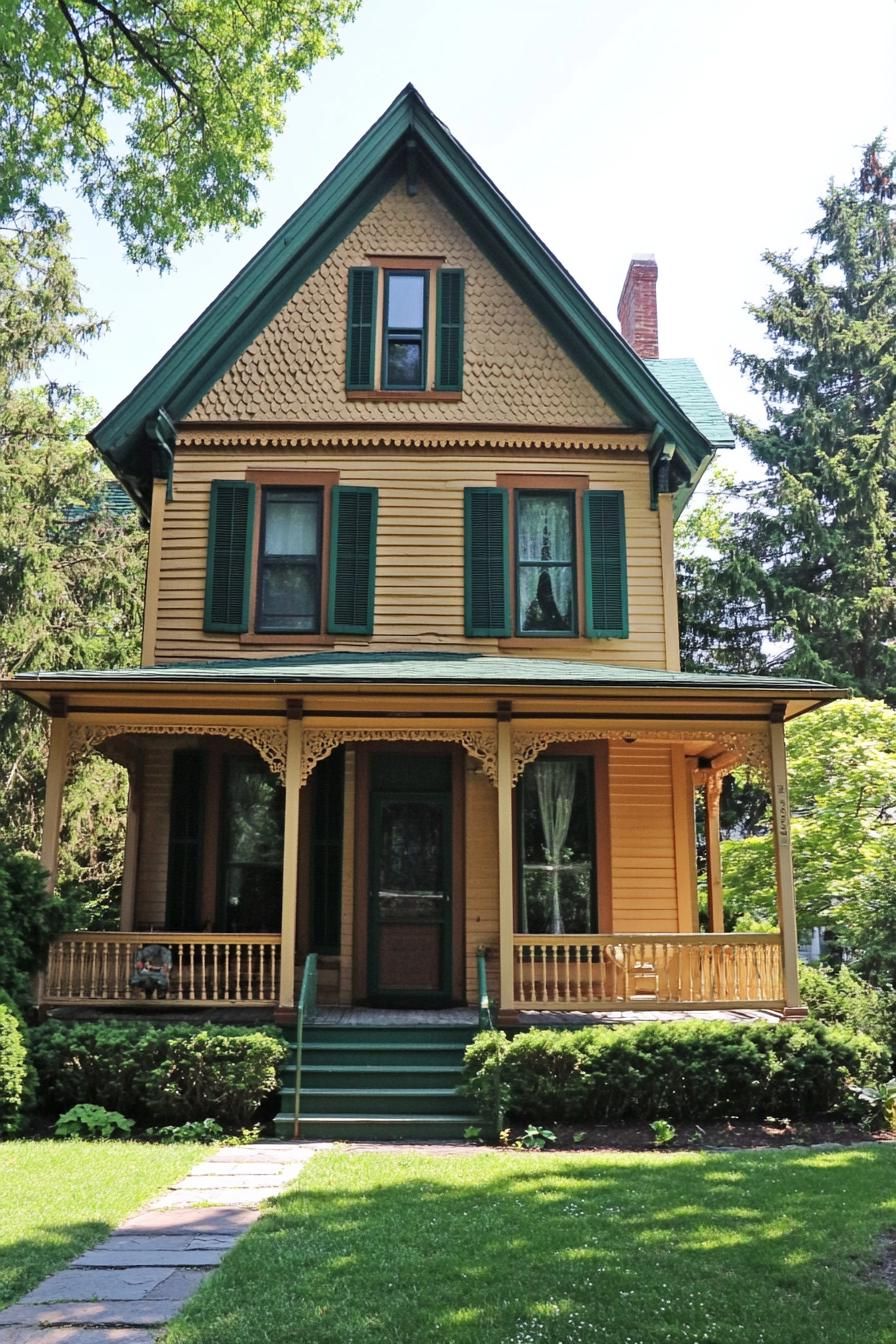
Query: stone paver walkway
point(124, 1290)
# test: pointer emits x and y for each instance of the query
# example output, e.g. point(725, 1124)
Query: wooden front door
point(409, 914)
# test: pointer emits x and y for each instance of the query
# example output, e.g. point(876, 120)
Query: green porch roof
point(137, 437)
point(430, 668)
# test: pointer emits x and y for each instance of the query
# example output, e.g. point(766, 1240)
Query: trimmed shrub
point(159, 1075)
point(677, 1071)
point(16, 1074)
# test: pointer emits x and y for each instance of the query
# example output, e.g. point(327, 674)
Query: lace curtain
point(555, 784)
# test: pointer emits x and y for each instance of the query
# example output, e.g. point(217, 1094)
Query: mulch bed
point(721, 1134)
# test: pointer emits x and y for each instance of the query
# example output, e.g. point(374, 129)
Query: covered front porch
point(416, 836)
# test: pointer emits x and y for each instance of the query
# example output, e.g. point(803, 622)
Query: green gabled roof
point(136, 437)
point(427, 668)
point(683, 380)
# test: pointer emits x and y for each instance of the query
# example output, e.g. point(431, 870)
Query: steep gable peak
point(408, 143)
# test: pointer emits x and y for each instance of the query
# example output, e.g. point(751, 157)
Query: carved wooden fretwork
point(270, 743)
point(482, 744)
point(749, 748)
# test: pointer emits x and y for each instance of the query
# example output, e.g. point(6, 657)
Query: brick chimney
point(637, 307)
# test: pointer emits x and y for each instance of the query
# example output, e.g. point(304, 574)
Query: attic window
point(405, 330)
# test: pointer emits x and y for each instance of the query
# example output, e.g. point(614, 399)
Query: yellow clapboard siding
point(419, 582)
point(642, 838)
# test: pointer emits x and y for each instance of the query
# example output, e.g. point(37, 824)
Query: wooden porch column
point(57, 769)
point(712, 793)
point(505, 862)
point(290, 859)
point(784, 862)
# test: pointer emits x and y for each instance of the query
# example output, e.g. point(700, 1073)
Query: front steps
point(369, 1082)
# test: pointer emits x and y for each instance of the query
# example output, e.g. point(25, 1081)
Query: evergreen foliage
point(29, 920)
point(159, 1075)
point(71, 570)
point(796, 571)
point(16, 1073)
point(677, 1071)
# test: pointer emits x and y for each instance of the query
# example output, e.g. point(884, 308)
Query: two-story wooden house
point(410, 683)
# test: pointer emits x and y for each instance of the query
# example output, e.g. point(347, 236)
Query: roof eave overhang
point(57, 692)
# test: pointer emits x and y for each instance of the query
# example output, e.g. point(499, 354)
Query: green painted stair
point(373, 1082)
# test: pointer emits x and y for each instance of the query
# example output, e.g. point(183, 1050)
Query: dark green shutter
point(231, 522)
point(361, 340)
point(606, 587)
point(352, 560)
point(450, 331)
point(185, 841)
point(486, 585)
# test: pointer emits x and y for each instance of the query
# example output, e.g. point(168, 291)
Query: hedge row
point(676, 1071)
point(158, 1075)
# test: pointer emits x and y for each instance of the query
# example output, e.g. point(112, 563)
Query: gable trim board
point(128, 437)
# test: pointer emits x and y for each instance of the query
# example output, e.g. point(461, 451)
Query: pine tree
point(796, 571)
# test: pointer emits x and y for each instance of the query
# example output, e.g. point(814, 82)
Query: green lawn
point(510, 1248)
point(57, 1198)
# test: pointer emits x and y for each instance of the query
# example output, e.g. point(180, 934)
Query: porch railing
point(207, 969)
point(656, 970)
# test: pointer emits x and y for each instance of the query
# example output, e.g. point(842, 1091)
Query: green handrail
point(305, 1011)
point(485, 1008)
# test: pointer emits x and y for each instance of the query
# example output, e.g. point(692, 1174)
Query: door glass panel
point(411, 877)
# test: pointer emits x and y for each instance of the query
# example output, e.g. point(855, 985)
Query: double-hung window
point(291, 560)
point(545, 562)
point(405, 334)
point(289, 563)
point(404, 330)
point(556, 832)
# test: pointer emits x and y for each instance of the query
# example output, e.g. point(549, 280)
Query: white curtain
point(545, 531)
point(290, 527)
point(555, 783)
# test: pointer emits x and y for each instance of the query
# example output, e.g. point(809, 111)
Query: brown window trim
point(384, 262)
point(372, 394)
point(572, 484)
point(393, 263)
point(603, 866)
point(298, 480)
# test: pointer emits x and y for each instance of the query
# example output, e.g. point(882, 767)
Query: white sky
point(700, 130)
